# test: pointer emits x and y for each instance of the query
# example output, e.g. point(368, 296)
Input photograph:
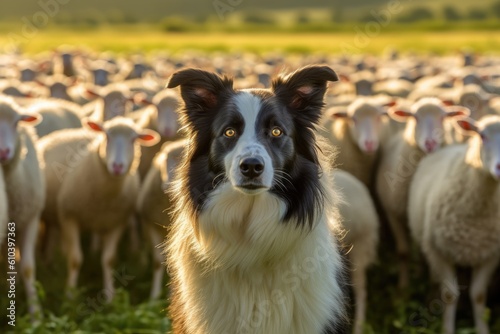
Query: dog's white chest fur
point(242, 270)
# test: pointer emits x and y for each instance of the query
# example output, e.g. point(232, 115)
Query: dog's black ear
point(304, 89)
point(200, 89)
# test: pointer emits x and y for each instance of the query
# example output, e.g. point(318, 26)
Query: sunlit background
point(272, 32)
point(264, 26)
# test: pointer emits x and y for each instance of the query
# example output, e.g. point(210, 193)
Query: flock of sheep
point(89, 142)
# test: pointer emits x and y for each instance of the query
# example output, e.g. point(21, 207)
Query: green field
point(348, 41)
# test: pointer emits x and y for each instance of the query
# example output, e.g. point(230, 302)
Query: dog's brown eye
point(230, 132)
point(276, 132)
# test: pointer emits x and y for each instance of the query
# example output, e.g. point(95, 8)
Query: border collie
point(253, 243)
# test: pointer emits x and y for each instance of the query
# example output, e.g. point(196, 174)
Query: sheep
point(57, 115)
point(15, 88)
point(360, 221)
point(98, 191)
point(64, 64)
point(24, 185)
point(3, 208)
point(454, 215)
point(58, 86)
point(101, 71)
point(153, 203)
point(424, 133)
point(28, 70)
point(111, 102)
point(359, 83)
point(393, 87)
point(161, 116)
point(356, 135)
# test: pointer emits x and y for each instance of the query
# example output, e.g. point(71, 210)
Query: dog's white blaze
point(248, 145)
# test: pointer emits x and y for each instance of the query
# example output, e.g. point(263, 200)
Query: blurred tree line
point(177, 23)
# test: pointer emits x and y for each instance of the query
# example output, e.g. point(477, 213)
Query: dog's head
point(257, 140)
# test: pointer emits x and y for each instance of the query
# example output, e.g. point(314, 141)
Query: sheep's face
point(365, 120)
point(425, 122)
point(67, 59)
point(119, 152)
point(100, 77)
point(364, 87)
point(475, 103)
point(10, 117)
point(429, 130)
point(167, 119)
point(59, 90)
point(115, 104)
point(486, 135)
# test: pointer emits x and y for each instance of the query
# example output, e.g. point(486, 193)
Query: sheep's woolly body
point(24, 181)
point(153, 204)
point(102, 202)
point(454, 209)
point(3, 208)
point(359, 217)
point(25, 193)
point(400, 158)
point(348, 155)
point(283, 278)
point(360, 221)
point(63, 151)
point(74, 162)
point(153, 200)
point(57, 115)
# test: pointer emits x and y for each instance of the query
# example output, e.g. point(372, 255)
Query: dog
point(253, 246)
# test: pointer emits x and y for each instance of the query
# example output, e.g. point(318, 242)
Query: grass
point(352, 39)
point(419, 311)
point(131, 312)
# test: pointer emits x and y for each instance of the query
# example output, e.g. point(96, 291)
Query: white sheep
point(355, 133)
point(153, 204)
point(393, 87)
point(360, 221)
point(58, 86)
point(358, 83)
point(24, 185)
point(424, 133)
point(454, 215)
point(161, 116)
point(92, 183)
point(4, 208)
point(57, 115)
point(112, 101)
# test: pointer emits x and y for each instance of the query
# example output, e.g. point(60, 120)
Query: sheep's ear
point(457, 111)
point(467, 126)
point(140, 98)
point(201, 91)
point(92, 93)
point(94, 126)
point(390, 104)
point(32, 119)
point(344, 78)
point(148, 137)
point(448, 102)
point(337, 112)
point(303, 90)
point(400, 115)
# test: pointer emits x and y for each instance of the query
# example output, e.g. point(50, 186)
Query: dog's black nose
point(251, 167)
